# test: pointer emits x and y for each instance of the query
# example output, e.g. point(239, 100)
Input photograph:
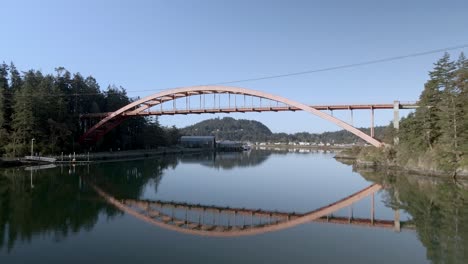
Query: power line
point(84, 94)
point(345, 66)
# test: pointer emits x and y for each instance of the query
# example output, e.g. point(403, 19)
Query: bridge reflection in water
point(218, 221)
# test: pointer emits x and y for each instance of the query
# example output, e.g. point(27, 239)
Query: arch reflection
point(206, 220)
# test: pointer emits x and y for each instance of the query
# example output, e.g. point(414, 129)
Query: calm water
point(179, 210)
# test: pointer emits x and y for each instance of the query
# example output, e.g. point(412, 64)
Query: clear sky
point(153, 45)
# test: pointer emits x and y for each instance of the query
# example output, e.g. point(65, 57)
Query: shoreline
point(283, 146)
point(352, 159)
point(101, 156)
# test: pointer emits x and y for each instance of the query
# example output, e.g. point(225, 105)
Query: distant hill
point(229, 128)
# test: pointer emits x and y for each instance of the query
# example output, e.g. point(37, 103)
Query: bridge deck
point(254, 109)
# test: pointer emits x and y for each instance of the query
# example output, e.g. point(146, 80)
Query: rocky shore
point(353, 157)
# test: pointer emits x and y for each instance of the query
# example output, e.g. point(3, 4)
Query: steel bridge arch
point(117, 117)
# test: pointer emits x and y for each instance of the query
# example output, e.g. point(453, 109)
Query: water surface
point(57, 214)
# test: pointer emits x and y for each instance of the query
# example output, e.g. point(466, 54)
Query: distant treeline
point(229, 128)
point(47, 108)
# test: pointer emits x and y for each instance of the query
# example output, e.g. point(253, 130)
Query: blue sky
point(153, 45)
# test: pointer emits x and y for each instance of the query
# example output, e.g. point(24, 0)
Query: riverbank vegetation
point(434, 138)
point(47, 107)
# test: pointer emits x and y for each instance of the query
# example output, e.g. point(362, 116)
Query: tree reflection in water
point(439, 209)
point(60, 204)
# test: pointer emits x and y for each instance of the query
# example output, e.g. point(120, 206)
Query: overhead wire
point(339, 67)
point(346, 65)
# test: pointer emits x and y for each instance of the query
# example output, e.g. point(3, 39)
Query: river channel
point(261, 206)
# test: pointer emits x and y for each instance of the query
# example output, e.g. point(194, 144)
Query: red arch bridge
point(227, 99)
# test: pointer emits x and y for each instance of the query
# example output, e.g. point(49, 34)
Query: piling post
point(396, 121)
point(372, 122)
point(397, 220)
point(350, 218)
point(372, 209)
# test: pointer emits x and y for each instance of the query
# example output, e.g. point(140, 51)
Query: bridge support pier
point(397, 227)
point(350, 213)
point(372, 134)
point(396, 120)
point(372, 209)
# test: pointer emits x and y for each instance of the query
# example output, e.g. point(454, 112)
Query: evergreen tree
point(172, 135)
point(4, 89)
point(443, 72)
point(48, 108)
point(461, 82)
point(24, 123)
point(15, 85)
point(15, 78)
point(451, 115)
point(412, 141)
point(428, 114)
point(436, 133)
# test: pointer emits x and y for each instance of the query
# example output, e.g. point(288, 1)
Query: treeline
point(229, 128)
point(47, 108)
point(435, 136)
point(335, 137)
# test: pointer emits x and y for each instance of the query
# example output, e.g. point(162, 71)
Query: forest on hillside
point(228, 128)
point(47, 108)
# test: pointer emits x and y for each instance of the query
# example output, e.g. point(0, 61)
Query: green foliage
point(24, 119)
point(3, 91)
point(385, 156)
point(428, 116)
point(435, 136)
point(345, 137)
point(229, 128)
point(48, 108)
